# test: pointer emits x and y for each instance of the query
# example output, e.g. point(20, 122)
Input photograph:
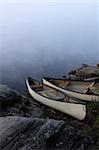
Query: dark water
point(15, 77)
point(46, 39)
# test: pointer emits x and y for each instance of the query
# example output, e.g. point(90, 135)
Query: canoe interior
point(49, 92)
point(76, 86)
point(95, 88)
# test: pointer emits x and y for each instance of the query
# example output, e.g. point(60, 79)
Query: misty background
point(46, 39)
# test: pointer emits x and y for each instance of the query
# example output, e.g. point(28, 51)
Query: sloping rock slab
point(86, 71)
point(8, 96)
point(24, 133)
point(15, 104)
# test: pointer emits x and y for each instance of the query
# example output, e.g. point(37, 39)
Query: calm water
point(15, 75)
point(46, 39)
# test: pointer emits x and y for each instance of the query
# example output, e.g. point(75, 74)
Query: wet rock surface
point(27, 125)
point(8, 96)
point(86, 71)
point(15, 104)
point(34, 133)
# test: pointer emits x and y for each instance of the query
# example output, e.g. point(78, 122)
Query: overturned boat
point(55, 99)
point(86, 71)
point(92, 79)
point(83, 90)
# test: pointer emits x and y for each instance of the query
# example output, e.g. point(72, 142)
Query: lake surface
point(46, 39)
point(15, 74)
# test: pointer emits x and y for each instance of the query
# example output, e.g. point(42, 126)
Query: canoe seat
point(45, 91)
point(56, 97)
point(36, 85)
point(64, 85)
point(51, 94)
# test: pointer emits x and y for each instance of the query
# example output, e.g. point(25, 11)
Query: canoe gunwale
point(65, 79)
point(80, 96)
point(77, 111)
point(78, 101)
point(67, 89)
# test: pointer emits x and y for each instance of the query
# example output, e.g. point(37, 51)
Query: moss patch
point(92, 122)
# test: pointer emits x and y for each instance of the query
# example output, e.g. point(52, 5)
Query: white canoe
point(72, 94)
point(70, 107)
point(92, 79)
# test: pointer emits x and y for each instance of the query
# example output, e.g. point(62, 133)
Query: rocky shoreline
point(28, 125)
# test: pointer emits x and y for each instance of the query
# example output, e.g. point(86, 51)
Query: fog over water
point(46, 39)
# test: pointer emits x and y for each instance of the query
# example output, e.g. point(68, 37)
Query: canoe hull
point(77, 111)
point(80, 96)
